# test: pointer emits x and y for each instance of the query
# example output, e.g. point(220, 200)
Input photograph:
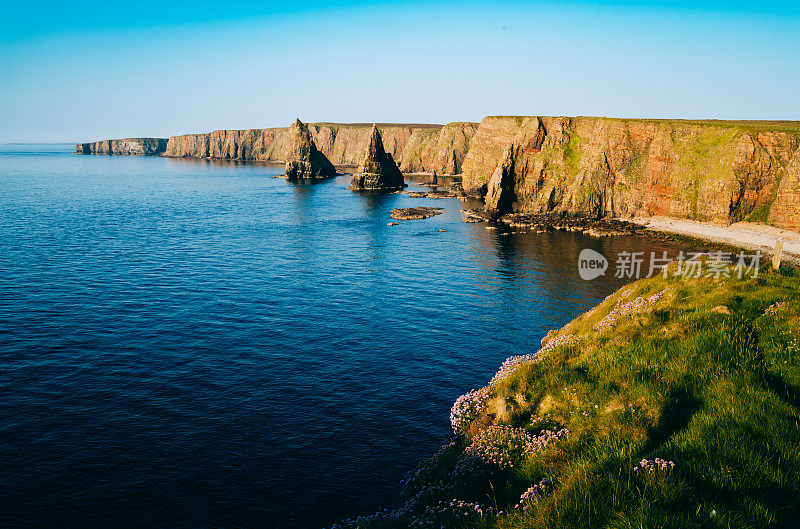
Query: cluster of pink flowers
point(654, 464)
point(447, 513)
point(467, 407)
point(541, 418)
point(511, 364)
point(505, 446)
point(775, 307)
point(533, 494)
point(549, 343)
point(635, 306)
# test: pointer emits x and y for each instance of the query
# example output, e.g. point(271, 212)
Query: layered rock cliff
point(718, 171)
point(133, 146)
point(418, 148)
point(708, 171)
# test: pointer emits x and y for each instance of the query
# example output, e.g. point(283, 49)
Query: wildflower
point(533, 494)
point(467, 407)
point(505, 446)
point(654, 464)
point(635, 306)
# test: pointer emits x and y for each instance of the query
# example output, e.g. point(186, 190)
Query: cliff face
point(708, 171)
point(135, 146)
point(419, 148)
point(719, 171)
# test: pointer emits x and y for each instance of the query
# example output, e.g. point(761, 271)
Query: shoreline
point(745, 235)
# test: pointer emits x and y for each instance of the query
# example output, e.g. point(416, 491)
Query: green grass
point(761, 212)
point(715, 390)
point(742, 125)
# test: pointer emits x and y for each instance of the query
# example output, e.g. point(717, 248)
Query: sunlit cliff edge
point(711, 171)
point(674, 403)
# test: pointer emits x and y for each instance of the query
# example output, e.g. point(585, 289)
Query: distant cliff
point(418, 148)
point(717, 171)
point(134, 146)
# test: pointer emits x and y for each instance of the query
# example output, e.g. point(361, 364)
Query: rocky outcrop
point(717, 171)
point(132, 146)
point(304, 160)
point(599, 167)
point(500, 195)
point(415, 213)
point(418, 148)
point(378, 171)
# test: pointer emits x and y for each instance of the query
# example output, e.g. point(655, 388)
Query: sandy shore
point(747, 235)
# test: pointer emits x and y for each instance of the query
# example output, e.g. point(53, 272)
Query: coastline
point(612, 418)
point(745, 235)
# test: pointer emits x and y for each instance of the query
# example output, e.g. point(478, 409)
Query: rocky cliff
point(709, 171)
point(135, 146)
point(419, 148)
point(305, 161)
point(718, 171)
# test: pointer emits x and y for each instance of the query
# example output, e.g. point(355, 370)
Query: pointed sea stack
point(305, 162)
point(378, 170)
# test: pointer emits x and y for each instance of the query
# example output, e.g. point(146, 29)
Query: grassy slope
point(716, 393)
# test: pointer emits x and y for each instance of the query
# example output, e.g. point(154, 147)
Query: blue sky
point(80, 72)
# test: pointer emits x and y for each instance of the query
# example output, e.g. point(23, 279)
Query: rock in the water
point(431, 194)
point(415, 213)
point(378, 170)
point(304, 160)
point(474, 215)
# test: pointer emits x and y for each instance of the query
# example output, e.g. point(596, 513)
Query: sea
point(196, 344)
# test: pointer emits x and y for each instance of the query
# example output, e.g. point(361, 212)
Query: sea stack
point(305, 162)
point(378, 170)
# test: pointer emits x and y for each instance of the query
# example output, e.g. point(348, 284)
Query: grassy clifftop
point(674, 403)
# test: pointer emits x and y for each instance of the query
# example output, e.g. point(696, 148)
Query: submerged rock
point(378, 170)
point(415, 213)
point(305, 162)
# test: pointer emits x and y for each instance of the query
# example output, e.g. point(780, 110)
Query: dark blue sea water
point(190, 344)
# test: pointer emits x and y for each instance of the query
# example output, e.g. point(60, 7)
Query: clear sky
point(82, 71)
